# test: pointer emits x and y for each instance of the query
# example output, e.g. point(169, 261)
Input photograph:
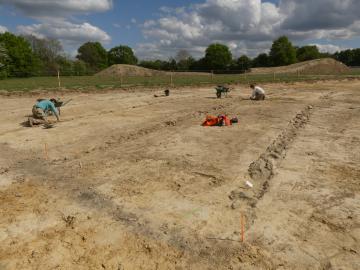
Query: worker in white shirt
point(258, 93)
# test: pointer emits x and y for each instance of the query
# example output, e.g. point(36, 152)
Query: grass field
point(94, 82)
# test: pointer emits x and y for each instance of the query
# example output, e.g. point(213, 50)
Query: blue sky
point(160, 28)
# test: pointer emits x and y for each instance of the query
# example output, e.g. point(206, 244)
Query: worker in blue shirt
point(41, 110)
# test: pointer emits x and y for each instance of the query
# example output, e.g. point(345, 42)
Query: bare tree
point(182, 55)
point(47, 48)
point(184, 60)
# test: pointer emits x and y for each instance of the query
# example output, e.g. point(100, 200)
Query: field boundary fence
point(166, 79)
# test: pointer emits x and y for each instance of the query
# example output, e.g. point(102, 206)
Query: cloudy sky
point(160, 28)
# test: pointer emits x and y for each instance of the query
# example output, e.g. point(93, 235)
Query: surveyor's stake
point(242, 228)
point(46, 151)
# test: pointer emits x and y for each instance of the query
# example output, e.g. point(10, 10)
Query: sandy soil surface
point(129, 181)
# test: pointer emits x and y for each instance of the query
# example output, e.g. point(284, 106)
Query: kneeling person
point(40, 111)
point(258, 93)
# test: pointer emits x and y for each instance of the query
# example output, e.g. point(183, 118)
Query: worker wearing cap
point(40, 111)
point(258, 93)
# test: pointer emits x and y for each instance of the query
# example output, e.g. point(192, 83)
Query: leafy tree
point(186, 64)
point(262, 60)
point(80, 68)
point(282, 52)
point(345, 56)
point(356, 57)
point(64, 65)
point(307, 53)
point(326, 55)
point(148, 64)
point(3, 55)
point(184, 60)
point(159, 64)
point(21, 61)
point(171, 64)
point(217, 56)
point(199, 65)
point(94, 54)
point(349, 57)
point(122, 55)
point(3, 58)
point(243, 63)
point(153, 64)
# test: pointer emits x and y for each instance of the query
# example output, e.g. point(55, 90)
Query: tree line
point(25, 56)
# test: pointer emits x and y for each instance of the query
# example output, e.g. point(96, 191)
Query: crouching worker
point(40, 112)
point(258, 93)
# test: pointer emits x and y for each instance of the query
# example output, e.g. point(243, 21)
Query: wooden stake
point(46, 151)
point(242, 228)
point(59, 78)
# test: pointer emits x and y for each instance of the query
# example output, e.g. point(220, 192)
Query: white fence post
point(58, 75)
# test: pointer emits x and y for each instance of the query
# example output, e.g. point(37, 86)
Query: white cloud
point(58, 8)
point(172, 10)
point(149, 23)
point(306, 15)
point(3, 29)
point(56, 20)
point(237, 15)
point(329, 48)
point(248, 26)
point(236, 23)
point(67, 32)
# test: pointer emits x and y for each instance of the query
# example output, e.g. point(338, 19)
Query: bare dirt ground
point(130, 181)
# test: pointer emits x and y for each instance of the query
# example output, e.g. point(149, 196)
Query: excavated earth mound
point(323, 66)
point(129, 70)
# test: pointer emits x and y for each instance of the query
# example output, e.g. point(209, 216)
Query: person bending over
point(40, 112)
point(258, 93)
